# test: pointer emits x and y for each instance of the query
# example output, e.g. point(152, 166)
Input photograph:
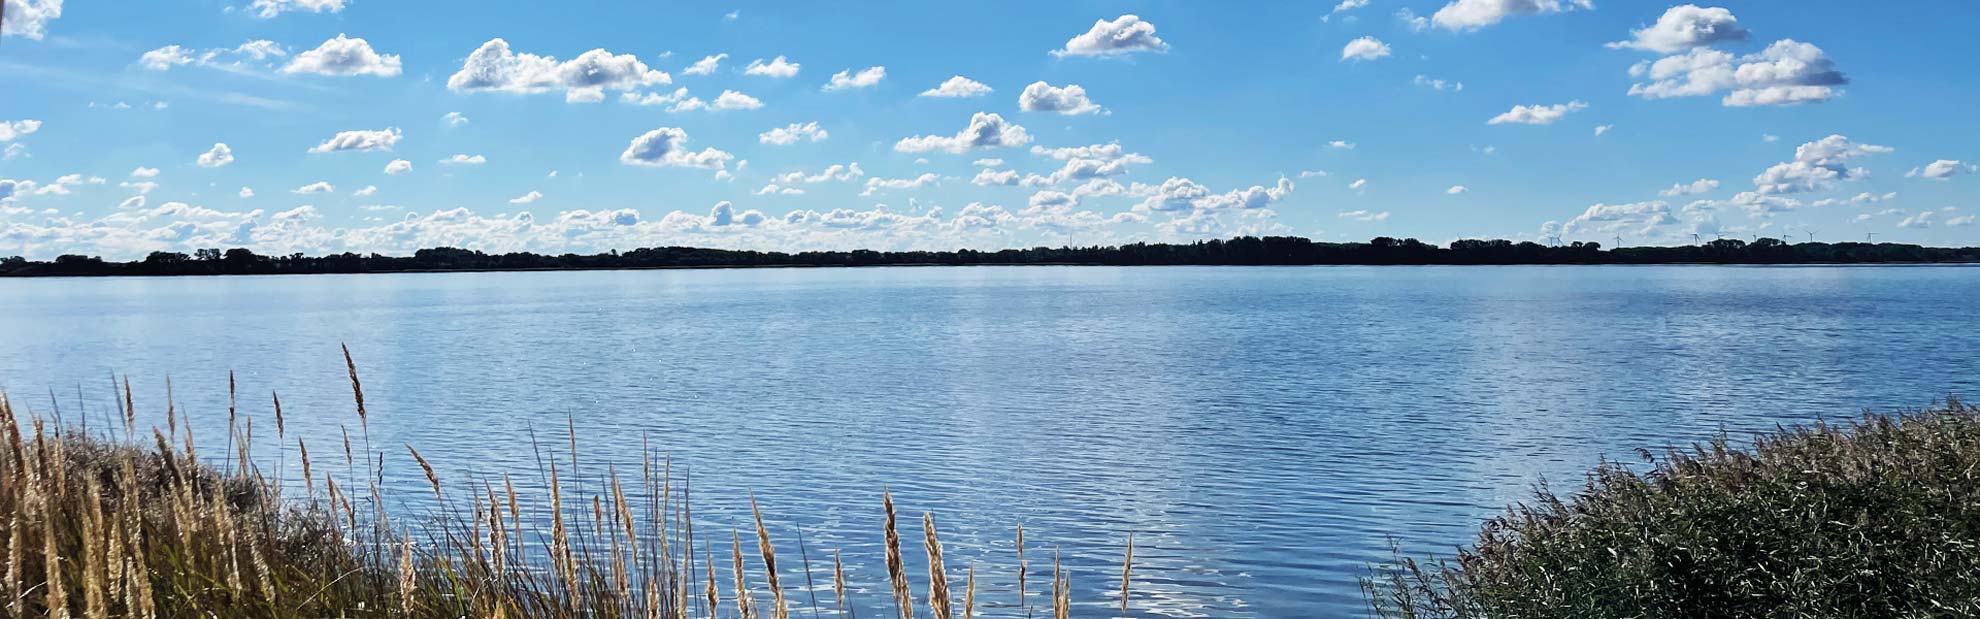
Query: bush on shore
point(1876, 518)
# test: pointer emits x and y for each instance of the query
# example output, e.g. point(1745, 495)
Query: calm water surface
point(1260, 431)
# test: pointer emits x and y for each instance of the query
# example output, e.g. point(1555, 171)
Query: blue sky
point(1155, 120)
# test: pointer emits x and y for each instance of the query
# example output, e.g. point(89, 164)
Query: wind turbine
point(1694, 239)
point(1810, 233)
point(1618, 240)
point(1870, 237)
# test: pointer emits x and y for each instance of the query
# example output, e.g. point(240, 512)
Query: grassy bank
point(1876, 518)
point(144, 523)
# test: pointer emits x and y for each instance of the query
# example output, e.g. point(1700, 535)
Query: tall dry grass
point(121, 522)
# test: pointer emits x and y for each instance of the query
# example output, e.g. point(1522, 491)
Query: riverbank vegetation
point(1875, 518)
point(122, 522)
point(1235, 251)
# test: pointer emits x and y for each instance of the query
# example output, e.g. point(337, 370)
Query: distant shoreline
point(1241, 251)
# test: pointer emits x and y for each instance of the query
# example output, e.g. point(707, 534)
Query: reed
point(101, 525)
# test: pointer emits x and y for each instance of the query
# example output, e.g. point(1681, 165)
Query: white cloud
point(783, 136)
point(1786, 73)
point(316, 187)
point(360, 140)
point(874, 185)
point(990, 177)
point(1043, 97)
point(1409, 18)
point(705, 66)
point(958, 87)
point(654, 98)
point(1363, 215)
point(268, 9)
point(14, 129)
point(1684, 27)
point(1622, 215)
point(834, 172)
point(1457, 189)
point(366, 192)
point(985, 130)
point(165, 58)
point(29, 19)
point(1684, 189)
point(1943, 169)
point(1818, 166)
point(1341, 145)
point(527, 198)
point(584, 78)
point(454, 119)
point(1182, 194)
point(1769, 138)
point(1923, 219)
point(1438, 85)
point(1343, 7)
point(777, 67)
point(847, 79)
point(1126, 34)
point(1601, 130)
point(1364, 48)
point(344, 56)
point(464, 159)
point(218, 156)
point(247, 192)
point(1358, 184)
point(1312, 173)
point(733, 100)
point(144, 172)
point(988, 162)
point(1537, 114)
point(1475, 14)
point(398, 166)
point(667, 147)
point(1963, 220)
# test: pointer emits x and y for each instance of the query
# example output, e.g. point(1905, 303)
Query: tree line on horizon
point(1271, 250)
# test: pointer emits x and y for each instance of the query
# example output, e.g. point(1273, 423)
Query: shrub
point(1876, 518)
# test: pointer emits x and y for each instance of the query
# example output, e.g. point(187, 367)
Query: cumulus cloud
point(777, 67)
point(454, 119)
point(246, 192)
point(144, 172)
point(1943, 169)
point(875, 185)
point(464, 159)
point(344, 56)
point(398, 166)
point(316, 187)
point(958, 87)
point(1364, 48)
point(1126, 34)
point(268, 9)
point(1363, 215)
point(527, 198)
point(1817, 166)
point(218, 156)
point(1684, 189)
point(1613, 217)
point(1069, 100)
point(366, 192)
point(1537, 114)
point(360, 140)
point(1341, 145)
point(1922, 219)
point(1457, 189)
point(1358, 184)
point(29, 19)
point(787, 135)
point(1601, 130)
point(990, 177)
point(985, 130)
point(495, 67)
point(846, 79)
point(1182, 194)
point(1683, 27)
point(705, 66)
point(667, 147)
point(1475, 14)
point(1786, 73)
point(9, 130)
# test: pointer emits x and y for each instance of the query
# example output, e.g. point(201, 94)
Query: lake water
point(1262, 432)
